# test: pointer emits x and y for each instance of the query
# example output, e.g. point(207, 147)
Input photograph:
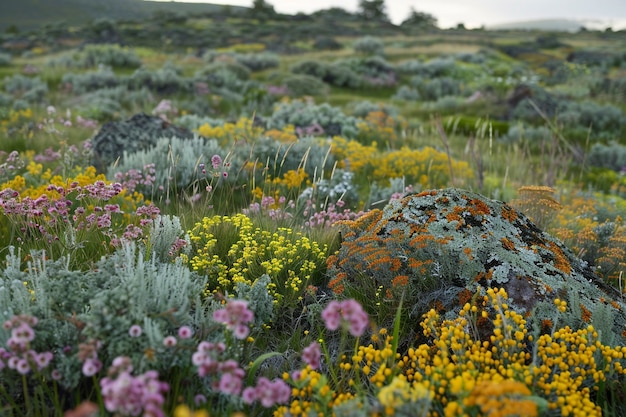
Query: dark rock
point(140, 132)
point(443, 248)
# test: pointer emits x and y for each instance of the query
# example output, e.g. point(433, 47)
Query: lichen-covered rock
point(140, 132)
point(441, 248)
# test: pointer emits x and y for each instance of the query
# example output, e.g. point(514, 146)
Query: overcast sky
point(473, 13)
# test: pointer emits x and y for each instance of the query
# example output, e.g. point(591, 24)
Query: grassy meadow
point(170, 276)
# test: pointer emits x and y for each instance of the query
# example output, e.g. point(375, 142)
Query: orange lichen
point(560, 261)
point(508, 213)
point(465, 296)
point(585, 314)
point(508, 244)
point(400, 280)
point(478, 207)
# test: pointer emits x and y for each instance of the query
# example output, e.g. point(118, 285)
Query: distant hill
point(32, 14)
point(554, 25)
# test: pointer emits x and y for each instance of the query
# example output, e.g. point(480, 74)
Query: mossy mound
point(443, 248)
point(140, 132)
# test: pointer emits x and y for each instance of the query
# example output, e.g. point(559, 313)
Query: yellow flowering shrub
point(496, 372)
point(353, 155)
point(426, 167)
point(378, 127)
point(587, 224)
point(14, 118)
point(231, 250)
point(230, 132)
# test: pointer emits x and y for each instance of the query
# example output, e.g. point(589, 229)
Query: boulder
point(443, 248)
point(140, 132)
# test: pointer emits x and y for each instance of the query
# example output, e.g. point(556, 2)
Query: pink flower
point(235, 316)
point(216, 161)
point(170, 341)
point(311, 355)
point(230, 383)
point(91, 366)
point(22, 366)
point(349, 312)
point(184, 332)
point(269, 393)
point(135, 330)
point(332, 315)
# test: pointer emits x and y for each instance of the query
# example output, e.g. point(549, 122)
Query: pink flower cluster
point(269, 393)
point(227, 375)
point(19, 355)
point(275, 209)
point(88, 354)
point(312, 355)
point(348, 313)
point(133, 178)
point(236, 317)
point(127, 395)
point(330, 216)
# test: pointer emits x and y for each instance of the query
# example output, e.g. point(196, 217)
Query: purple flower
point(269, 393)
point(126, 394)
point(312, 354)
point(184, 332)
point(216, 161)
point(170, 341)
point(349, 312)
point(91, 366)
point(135, 330)
point(235, 316)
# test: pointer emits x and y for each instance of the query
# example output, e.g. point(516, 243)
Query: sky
point(597, 14)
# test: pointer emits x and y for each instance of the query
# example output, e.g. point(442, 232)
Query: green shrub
point(369, 45)
point(5, 59)
point(305, 85)
point(90, 81)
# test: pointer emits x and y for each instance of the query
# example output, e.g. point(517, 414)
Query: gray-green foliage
point(158, 296)
point(164, 232)
point(339, 187)
point(333, 74)
point(112, 103)
point(168, 79)
point(5, 59)
point(612, 156)
point(81, 83)
point(175, 160)
point(363, 108)
point(370, 67)
point(436, 88)
point(28, 89)
point(193, 121)
point(126, 288)
point(309, 153)
point(304, 85)
point(94, 55)
point(369, 45)
point(531, 134)
point(258, 61)
point(437, 67)
point(259, 299)
point(304, 114)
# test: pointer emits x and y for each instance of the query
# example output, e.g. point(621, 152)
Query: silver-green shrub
point(29, 89)
point(369, 45)
point(80, 83)
point(303, 114)
point(305, 85)
point(176, 163)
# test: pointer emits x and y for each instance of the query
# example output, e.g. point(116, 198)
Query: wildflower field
point(242, 260)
